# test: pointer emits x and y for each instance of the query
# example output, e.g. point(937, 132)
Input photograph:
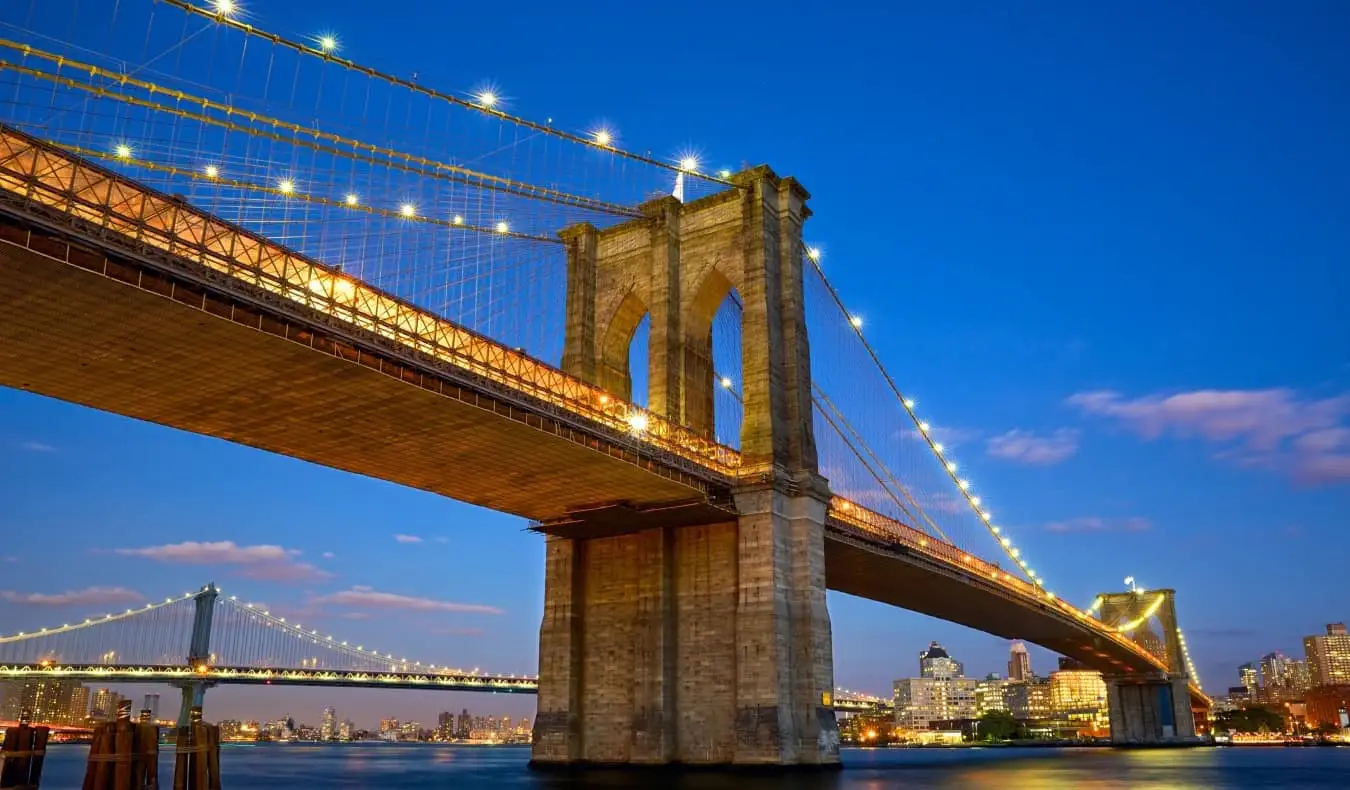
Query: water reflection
point(424, 767)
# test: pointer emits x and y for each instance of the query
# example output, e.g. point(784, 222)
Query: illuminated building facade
point(1273, 673)
point(921, 701)
point(991, 695)
point(1329, 656)
point(46, 701)
point(1078, 701)
point(1251, 679)
point(1029, 701)
point(104, 706)
point(934, 663)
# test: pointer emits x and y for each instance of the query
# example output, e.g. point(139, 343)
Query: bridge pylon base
point(696, 645)
point(1149, 712)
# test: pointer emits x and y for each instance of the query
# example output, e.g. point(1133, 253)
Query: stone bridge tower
point(1149, 710)
point(705, 642)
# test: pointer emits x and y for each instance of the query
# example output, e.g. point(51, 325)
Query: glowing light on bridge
point(408, 210)
point(603, 137)
point(212, 171)
point(856, 321)
point(725, 174)
point(225, 8)
point(352, 199)
point(122, 151)
point(689, 163)
point(487, 98)
point(458, 220)
point(637, 421)
point(286, 186)
point(726, 383)
point(503, 227)
point(813, 253)
point(328, 43)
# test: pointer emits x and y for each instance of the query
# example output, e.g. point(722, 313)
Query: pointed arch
point(615, 342)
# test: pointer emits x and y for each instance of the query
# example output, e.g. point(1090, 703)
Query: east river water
point(375, 766)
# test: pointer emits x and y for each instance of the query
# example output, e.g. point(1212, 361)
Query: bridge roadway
point(130, 301)
point(266, 676)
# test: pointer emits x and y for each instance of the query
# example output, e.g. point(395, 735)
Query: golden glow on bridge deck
point(70, 187)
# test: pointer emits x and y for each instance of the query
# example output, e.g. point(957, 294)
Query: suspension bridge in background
point(216, 227)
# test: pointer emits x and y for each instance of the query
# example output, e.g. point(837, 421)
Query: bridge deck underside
point(83, 337)
point(892, 575)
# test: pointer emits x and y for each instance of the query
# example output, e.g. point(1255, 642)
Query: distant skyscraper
point(1297, 679)
point(328, 730)
point(1251, 679)
point(935, 664)
point(1019, 663)
point(1328, 656)
point(1273, 671)
point(152, 705)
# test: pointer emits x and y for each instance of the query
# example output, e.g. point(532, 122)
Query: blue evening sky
point(1107, 245)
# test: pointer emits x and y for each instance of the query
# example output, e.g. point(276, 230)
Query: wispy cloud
point(90, 596)
point(369, 598)
point(328, 555)
point(459, 631)
point(1098, 524)
point(401, 538)
point(9, 559)
point(1276, 429)
point(38, 447)
point(261, 562)
point(946, 435)
point(1027, 447)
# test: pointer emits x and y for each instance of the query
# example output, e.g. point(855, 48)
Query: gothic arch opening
point(712, 363)
point(617, 347)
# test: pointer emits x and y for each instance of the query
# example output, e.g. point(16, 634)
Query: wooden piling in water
point(22, 754)
point(124, 755)
point(197, 764)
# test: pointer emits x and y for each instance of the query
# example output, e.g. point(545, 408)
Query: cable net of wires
point(248, 635)
point(152, 635)
point(428, 194)
point(870, 448)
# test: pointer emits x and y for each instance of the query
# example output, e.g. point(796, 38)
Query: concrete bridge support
point(707, 641)
point(1147, 713)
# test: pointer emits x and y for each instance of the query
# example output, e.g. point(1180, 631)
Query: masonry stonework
point(705, 644)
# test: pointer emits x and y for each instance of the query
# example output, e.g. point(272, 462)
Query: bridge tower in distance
point(199, 651)
point(696, 633)
point(1153, 709)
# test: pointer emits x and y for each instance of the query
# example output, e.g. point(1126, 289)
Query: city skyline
point(1070, 299)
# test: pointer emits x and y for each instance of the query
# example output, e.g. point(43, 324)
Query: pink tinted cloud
point(261, 562)
point(407, 539)
point(1026, 447)
point(1306, 438)
point(90, 596)
point(367, 598)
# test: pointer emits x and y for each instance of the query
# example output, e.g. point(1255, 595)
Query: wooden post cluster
point(21, 756)
point(124, 755)
point(197, 765)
